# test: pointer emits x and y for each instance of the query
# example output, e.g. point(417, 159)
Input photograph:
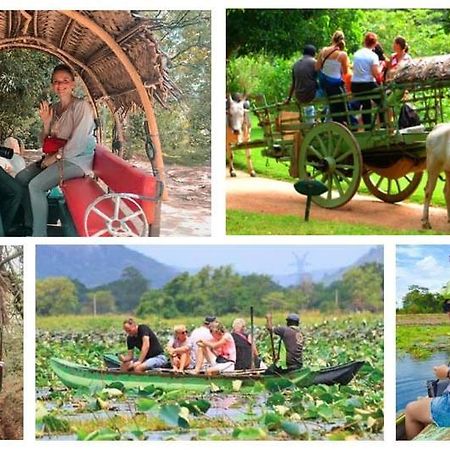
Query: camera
point(6, 152)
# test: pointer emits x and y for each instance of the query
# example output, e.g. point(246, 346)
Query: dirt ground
point(11, 408)
point(263, 195)
point(187, 212)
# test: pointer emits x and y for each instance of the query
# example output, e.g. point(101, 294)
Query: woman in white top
point(332, 64)
point(71, 119)
point(366, 70)
point(399, 58)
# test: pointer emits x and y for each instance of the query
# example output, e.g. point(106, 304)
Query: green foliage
point(24, 81)
point(223, 291)
point(56, 296)
point(104, 301)
point(185, 128)
point(422, 340)
point(128, 290)
point(285, 31)
point(420, 300)
point(263, 44)
point(365, 286)
point(260, 73)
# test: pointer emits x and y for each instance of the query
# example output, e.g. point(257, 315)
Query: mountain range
point(95, 265)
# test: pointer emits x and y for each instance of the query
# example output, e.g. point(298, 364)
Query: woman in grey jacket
point(71, 119)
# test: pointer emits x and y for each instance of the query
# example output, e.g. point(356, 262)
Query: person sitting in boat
point(180, 349)
point(151, 352)
point(446, 307)
point(217, 355)
point(422, 412)
point(245, 351)
point(203, 332)
point(292, 338)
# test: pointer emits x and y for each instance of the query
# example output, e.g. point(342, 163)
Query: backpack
point(408, 117)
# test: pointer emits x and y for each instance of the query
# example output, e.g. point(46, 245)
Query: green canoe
point(430, 433)
point(78, 376)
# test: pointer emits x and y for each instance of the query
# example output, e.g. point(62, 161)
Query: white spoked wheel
point(127, 220)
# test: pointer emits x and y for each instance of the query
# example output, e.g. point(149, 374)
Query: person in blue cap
point(292, 338)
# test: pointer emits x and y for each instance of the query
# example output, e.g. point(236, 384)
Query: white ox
point(438, 160)
point(238, 132)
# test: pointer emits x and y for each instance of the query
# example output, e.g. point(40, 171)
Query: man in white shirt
point(203, 332)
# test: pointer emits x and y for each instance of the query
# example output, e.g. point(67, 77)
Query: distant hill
point(374, 255)
point(95, 265)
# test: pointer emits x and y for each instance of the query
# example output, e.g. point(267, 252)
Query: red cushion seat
point(120, 177)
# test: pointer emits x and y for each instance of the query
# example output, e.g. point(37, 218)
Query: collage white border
point(218, 230)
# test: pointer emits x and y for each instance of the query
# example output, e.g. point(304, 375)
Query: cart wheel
point(119, 215)
point(392, 190)
point(331, 154)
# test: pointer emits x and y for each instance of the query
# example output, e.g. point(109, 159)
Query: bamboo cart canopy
point(112, 51)
point(424, 69)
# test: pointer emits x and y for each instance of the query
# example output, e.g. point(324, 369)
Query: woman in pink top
point(219, 354)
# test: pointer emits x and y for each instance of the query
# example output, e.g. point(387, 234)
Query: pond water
point(412, 375)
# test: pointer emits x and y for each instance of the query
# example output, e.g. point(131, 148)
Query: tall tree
point(56, 296)
point(128, 289)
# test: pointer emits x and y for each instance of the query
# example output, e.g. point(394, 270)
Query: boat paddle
point(269, 327)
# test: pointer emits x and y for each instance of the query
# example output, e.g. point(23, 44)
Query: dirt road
point(264, 195)
point(188, 210)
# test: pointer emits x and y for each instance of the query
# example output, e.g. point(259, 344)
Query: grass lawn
point(270, 168)
point(248, 223)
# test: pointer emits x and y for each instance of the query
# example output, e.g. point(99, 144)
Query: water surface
point(412, 375)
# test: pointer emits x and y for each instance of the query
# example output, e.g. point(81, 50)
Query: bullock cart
point(389, 157)
point(118, 62)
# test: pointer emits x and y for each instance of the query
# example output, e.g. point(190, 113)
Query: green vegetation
point(421, 335)
point(184, 126)
point(319, 412)
point(420, 300)
point(263, 44)
point(249, 223)
point(422, 341)
point(219, 290)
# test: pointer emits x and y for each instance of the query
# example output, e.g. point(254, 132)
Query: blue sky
point(269, 259)
point(424, 265)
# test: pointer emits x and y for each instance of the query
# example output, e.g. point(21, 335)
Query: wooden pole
point(272, 344)
point(136, 79)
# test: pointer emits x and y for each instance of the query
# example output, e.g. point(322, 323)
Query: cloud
point(429, 265)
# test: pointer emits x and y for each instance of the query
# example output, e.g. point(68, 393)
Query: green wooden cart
point(390, 160)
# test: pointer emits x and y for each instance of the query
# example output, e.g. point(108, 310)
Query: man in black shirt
point(151, 352)
point(304, 76)
point(292, 339)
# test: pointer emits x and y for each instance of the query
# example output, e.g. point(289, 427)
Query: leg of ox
point(230, 152)
point(447, 193)
point(438, 160)
point(238, 132)
point(429, 189)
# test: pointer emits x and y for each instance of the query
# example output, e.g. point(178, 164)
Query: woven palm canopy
point(424, 69)
point(115, 53)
